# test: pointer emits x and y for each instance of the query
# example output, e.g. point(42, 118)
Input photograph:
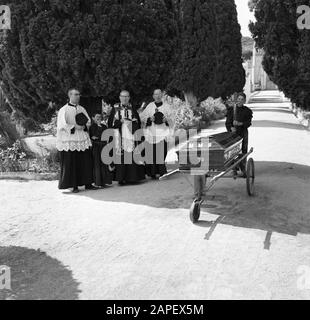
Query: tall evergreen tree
point(14, 79)
point(286, 58)
point(303, 67)
point(211, 59)
point(99, 46)
point(229, 76)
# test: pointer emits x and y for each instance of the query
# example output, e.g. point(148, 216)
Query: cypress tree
point(211, 51)
point(98, 46)
point(303, 67)
point(286, 59)
point(229, 76)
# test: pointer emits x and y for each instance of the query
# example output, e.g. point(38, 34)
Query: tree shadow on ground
point(277, 110)
point(281, 203)
point(277, 124)
point(35, 276)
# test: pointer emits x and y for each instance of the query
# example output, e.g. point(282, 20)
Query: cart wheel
point(250, 176)
point(194, 213)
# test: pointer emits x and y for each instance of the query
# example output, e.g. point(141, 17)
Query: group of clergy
point(83, 151)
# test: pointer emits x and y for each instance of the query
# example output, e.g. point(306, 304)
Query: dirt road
point(137, 242)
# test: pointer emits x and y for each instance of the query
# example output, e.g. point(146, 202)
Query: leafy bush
point(214, 109)
point(44, 164)
point(184, 116)
point(31, 126)
point(11, 159)
point(181, 113)
point(14, 159)
point(8, 132)
point(51, 127)
point(48, 162)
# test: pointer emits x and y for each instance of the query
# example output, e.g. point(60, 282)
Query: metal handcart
point(224, 156)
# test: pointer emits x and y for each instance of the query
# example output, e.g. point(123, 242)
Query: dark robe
point(75, 169)
point(241, 114)
point(102, 175)
point(159, 150)
point(244, 115)
point(126, 173)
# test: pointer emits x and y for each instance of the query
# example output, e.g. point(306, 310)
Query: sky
point(244, 16)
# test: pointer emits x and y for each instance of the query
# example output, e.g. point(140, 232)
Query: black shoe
point(122, 183)
point(75, 190)
point(91, 187)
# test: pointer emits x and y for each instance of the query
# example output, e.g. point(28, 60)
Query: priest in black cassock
point(74, 144)
point(125, 121)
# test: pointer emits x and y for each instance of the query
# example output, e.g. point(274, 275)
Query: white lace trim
point(73, 145)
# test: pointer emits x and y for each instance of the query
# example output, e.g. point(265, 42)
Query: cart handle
point(169, 174)
point(222, 174)
point(214, 179)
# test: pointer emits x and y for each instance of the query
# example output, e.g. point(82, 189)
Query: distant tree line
point(286, 47)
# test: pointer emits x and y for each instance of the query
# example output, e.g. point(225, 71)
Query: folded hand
point(77, 127)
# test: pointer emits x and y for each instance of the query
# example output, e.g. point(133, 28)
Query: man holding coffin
point(238, 120)
point(74, 144)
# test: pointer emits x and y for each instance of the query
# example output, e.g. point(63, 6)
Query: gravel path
point(137, 242)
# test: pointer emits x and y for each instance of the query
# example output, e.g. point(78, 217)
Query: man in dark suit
point(239, 119)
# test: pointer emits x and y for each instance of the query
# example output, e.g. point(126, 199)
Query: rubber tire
point(194, 212)
point(250, 177)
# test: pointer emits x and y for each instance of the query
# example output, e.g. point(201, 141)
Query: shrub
point(181, 113)
point(51, 127)
point(11, 159)
point(184, 116)
point(14, 159)
point(214, 109)
point(8, 132)
point(44, 164)
point(31, 126)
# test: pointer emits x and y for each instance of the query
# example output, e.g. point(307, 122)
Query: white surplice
point(156, 132)
point(67, 141)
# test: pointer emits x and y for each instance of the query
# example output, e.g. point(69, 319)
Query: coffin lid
point(220, 141)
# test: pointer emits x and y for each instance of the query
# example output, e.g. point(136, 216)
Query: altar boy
point(102, 174)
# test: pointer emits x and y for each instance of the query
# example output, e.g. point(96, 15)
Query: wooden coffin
point(213, 153)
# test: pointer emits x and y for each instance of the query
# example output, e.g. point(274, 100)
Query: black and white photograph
point(155, 150)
